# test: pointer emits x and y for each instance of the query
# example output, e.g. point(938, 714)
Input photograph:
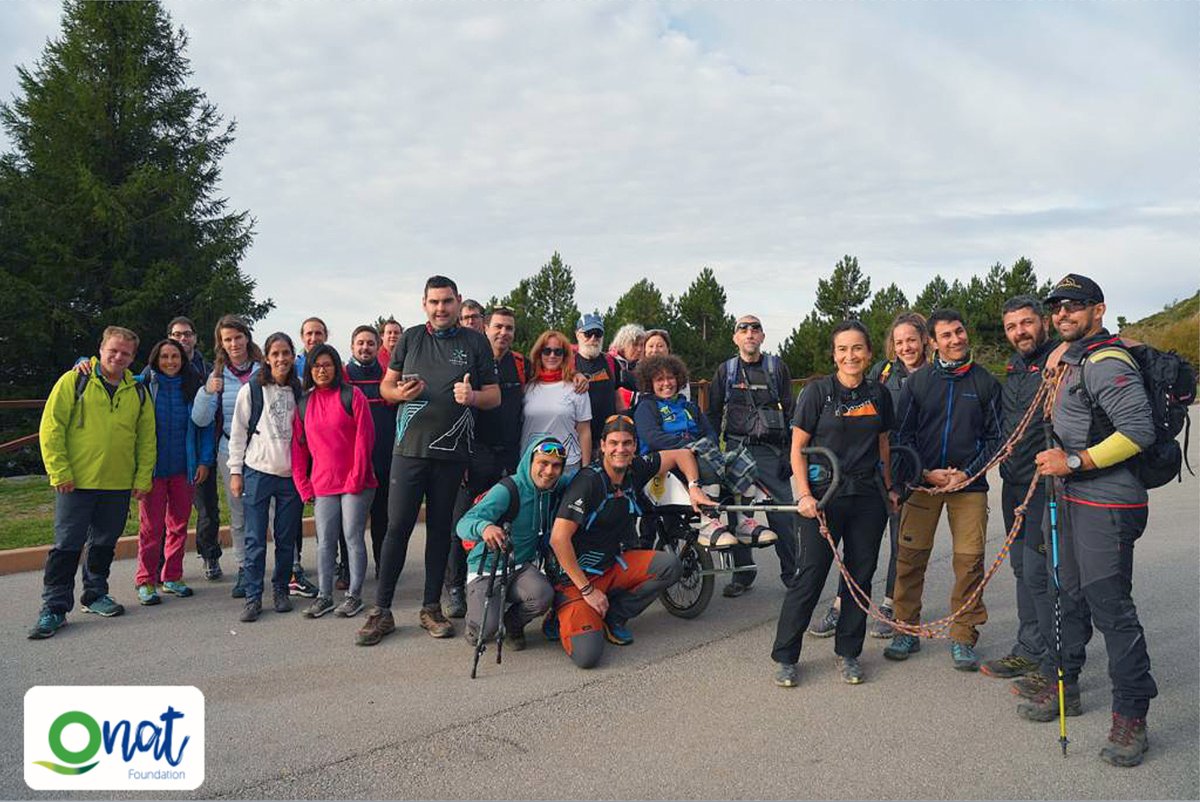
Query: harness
point(770, 364)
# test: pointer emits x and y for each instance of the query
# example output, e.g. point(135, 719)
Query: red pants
point(163, 514)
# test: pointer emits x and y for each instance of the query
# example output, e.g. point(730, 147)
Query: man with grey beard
point(600, 370)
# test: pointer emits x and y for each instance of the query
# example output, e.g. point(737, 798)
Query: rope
point(1046, 395)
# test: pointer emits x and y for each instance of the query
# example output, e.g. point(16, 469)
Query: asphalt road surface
point(295, 710)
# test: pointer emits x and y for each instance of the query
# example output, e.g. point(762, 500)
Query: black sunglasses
point(1069, 305)
point(593, 334)
point(548, 351)
point(749, 327)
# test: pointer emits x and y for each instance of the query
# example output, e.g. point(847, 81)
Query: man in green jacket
point(98, 445)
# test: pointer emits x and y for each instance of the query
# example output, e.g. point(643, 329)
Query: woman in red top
point(333, 435)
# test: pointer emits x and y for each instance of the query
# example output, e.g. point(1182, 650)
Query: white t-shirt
point(554, 409)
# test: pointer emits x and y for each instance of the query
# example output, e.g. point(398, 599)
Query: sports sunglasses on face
point(749, 327)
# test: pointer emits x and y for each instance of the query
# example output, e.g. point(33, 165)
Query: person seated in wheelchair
point(538, 484)
point(667, 420)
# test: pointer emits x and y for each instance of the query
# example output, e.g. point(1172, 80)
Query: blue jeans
point(258, 490)
point(94, 518)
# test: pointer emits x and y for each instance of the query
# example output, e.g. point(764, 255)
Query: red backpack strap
point(519, 361)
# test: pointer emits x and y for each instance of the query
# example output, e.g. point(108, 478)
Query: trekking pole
point(1052, 502)
point(505, 575)
point(480, 643)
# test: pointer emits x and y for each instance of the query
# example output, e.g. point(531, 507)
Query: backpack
point(764, 423)
point(1170, 382)
point(519, 361)
point(256, 407)
point(510, 513)
point(81, 382)
point(820, 474)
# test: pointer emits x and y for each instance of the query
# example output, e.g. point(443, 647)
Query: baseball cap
point(589, 322)
point(1074, 287)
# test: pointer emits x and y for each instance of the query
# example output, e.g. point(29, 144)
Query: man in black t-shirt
point(599, 587)
point(601, 372)
point(440, 373)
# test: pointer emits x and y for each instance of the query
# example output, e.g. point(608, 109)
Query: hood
point(522, 477)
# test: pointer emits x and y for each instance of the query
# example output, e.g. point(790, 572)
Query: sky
point(379, 143)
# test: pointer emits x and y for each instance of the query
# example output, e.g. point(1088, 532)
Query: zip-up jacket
point(99, 442)
point(672, 423)
point(206, 405)
point(1100, 372)
point(367, 378)
point(1024, 379)
point(530, 530)
point(952, 419)
point(176, 429)
point(335, 445)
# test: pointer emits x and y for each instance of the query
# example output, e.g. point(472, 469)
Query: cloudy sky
point(381, 142)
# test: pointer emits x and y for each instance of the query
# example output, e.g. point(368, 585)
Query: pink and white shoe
point(750, 531)
point(715, 535)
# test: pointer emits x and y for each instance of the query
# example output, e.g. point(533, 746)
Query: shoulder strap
point(256, 409)
point(514, 500)
point(81, 380)
point(347, 395)
point(519, 361)
point(612, 367)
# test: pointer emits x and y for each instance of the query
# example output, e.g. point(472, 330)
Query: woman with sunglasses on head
point(851, 417)
point(185, 457)
point(332, 443)
point(551, 405)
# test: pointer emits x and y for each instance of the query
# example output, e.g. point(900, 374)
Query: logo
point(1068, 282)
point(114, 738)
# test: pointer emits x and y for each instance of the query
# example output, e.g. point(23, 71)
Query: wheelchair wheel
point(688, 597)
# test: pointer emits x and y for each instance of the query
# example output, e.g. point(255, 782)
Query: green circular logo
point(61, 723)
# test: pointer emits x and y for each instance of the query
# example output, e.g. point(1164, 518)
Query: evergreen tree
point(642, 303)
point(933, 296)
point(109, 212)
point(840, 296)
point(807, 350)
point(544, 301)
point(704, 332)
point(878, 317)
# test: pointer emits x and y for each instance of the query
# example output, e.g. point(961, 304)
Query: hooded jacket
point(207, 406)
point(99, 442)
point(530, 530)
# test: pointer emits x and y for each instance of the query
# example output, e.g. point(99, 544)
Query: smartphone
point(410, 377)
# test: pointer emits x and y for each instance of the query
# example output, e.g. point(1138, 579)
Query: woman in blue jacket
point(185, 457)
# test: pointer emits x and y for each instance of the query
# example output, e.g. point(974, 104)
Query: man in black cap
point(1102, 419)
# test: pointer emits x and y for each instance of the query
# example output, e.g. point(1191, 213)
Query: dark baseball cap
point(1074, 287)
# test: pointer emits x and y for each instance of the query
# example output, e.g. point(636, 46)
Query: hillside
point(1175, 327)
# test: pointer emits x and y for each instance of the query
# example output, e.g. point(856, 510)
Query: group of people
point(546, 455)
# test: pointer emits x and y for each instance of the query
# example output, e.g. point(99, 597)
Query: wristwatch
point(1074, 461)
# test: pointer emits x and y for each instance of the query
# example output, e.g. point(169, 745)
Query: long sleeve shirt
point(270, 450)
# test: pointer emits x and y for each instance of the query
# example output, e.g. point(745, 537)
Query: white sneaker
point(751, 531)
point(715, 535)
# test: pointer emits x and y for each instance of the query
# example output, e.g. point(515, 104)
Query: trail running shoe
point(320, 606)
point(827, 625)
point(378, 624)
point(435, 623)
point(251, 611)
point(104, 606)
point(883, 629)
point(617, 633)
point(456, 602)
point(177, 588)
point(1008, 667)
point(1029, 685)
point(787, 675)
point(902, 646)
point(350, 607)
point(852, 673)
point(282, 603)
point(964, 656)
point(47, 624)
point(1127, 741)
point(1044, 706)
point(212, 569)
point(147, 595)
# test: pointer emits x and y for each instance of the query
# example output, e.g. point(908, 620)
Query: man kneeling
point(538, 483)
point(598, 587)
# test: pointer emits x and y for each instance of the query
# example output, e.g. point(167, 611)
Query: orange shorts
point(576, 616)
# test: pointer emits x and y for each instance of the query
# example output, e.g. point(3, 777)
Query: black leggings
point(857, 522)
point(414, 480)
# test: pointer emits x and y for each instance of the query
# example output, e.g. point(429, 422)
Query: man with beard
point(601, 372)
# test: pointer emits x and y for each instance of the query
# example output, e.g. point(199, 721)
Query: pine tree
point(840, 296)
point(704, 332)
point(109, 212)
point(544, 301)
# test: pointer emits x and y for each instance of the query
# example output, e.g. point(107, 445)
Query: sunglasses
point(749, 327)
point(1070, 306)
point(553, 448)
point(618, 417)
point(548, 351)
point(593, 334)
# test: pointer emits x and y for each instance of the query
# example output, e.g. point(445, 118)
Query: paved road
point(295, 710)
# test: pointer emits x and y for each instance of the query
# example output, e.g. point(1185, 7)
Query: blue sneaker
point(178, 588)
point(902, 646)
point(104, 606)
point(147, 595)
point(617, 634)
point(964, 657)
point(47, 624)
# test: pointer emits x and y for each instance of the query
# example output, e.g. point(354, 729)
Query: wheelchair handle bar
point(836, 479)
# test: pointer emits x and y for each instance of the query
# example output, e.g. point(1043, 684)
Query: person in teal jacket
point(540, 481)
point(98, 444)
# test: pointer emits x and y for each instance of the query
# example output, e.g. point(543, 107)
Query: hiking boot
point(251, 610)
point(350, 607)
point(342, 582)
point(104, 606)
point(299, 584)
point(902, 646)
point(827, 625)
point(1044, 706)
point(616, 633)
point(378, 624)
point(282, 601)
point(787, 675)
point(212, 569)
point(239, 587)
point(1008, 667)
point(964, 656)
point(1029, 685)
point(320, 606)
point(456, 602)
point(550, 626)
point(435, 623)
point(147, 595)
point(47, 624)
point(1127, 741)
point(883, 629)
point(750, 531)
point(515, 629)
point(177, 588)
point(852, 673)
point(715, 535)
point(735, 589)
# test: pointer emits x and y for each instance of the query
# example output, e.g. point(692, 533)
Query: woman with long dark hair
point(851, 417)
point(331, 465)
point(185, 454)
point(260, 467)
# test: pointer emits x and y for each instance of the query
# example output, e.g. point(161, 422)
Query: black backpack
point(1170, 382)
point(257, 403)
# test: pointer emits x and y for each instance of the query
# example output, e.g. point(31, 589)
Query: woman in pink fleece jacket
point(331, 461)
